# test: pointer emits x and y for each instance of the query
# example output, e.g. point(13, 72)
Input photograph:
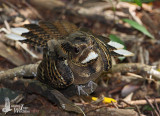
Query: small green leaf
point(142, 1)
point(147, 108)
point(138, 27)
point(127, 0)
point(138, 2)
point(116, 39)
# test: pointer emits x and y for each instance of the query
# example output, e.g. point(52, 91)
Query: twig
point(136, 68)
point(18, 99)
point(132, 11)
point(152, 106)
point(115, 105)
point(157, 107)
point(7, 26)
point(27, 50)
point(96, 107)
point(134, 105)
point(4, 30)
point(26, 70)
point(134, 75)
point(141, 102)
point(141, 58)
point(146, 56)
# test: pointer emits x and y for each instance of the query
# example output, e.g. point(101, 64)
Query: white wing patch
point(19, 30)
point(116, 45)
point(91, 56)
point(16, 33)
point(15, 37)
point(124, 52)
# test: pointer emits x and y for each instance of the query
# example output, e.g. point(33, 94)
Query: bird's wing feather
point(115, 48)
point(38, 35)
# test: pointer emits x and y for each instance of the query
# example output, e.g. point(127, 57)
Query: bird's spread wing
point(38, 35)
point(116, 49)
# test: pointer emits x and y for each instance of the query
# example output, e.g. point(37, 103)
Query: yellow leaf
point(108, 100)
point(105, 100)
point(94, 98)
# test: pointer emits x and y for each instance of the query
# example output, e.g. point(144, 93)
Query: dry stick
point(152, 106)
point(134, 105)
point(97, 107)
point(27, 50)
point(115, 105)
point(136, 67)
point(26, 70)
point(142, 102)
point(104, 109)
point(157, 107)
point(152, 114)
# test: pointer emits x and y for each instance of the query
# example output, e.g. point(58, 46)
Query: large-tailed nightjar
point(70, 54)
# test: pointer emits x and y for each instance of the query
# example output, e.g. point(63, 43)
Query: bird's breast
point(84, 74)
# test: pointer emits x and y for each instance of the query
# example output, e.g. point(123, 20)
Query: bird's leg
point(87, 88)
point(81, 91)
point(91, 84)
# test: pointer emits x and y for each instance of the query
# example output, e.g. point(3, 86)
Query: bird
point(71, 55)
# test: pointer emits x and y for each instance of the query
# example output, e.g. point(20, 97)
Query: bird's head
point(82, 48)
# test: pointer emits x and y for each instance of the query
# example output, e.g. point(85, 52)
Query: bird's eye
point(76, 50)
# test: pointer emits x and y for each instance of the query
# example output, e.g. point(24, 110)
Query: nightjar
point(71, 55)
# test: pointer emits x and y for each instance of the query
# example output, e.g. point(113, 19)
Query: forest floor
point(134, 82)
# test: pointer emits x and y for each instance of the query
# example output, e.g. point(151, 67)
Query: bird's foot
point(87, 88)
point(91, 84)
point(81, 90)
